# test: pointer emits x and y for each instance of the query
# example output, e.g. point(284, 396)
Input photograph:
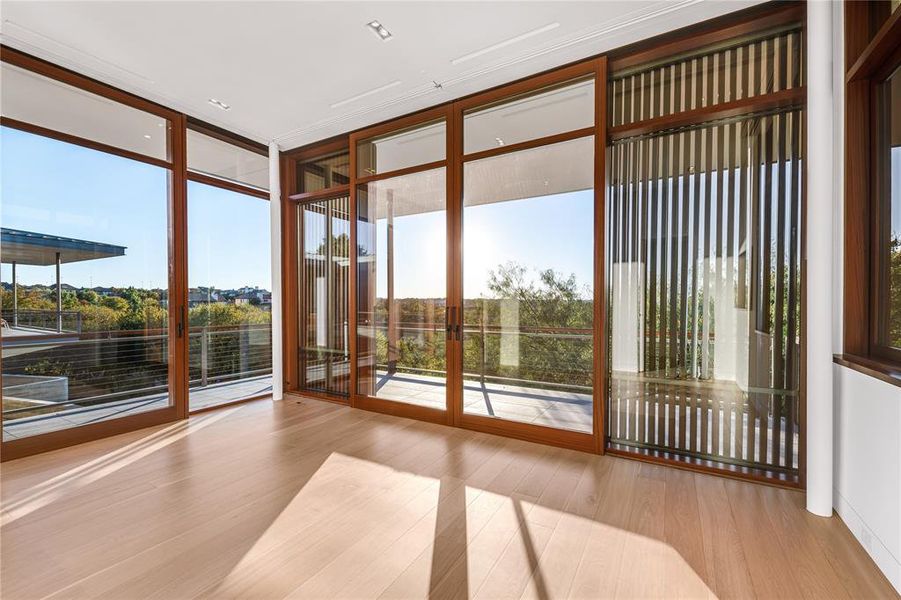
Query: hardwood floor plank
point(307, 499)
point(771, 574)
point(725, 563)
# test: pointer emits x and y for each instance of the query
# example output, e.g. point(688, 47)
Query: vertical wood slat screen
point(324, 238)
point(703, 262)
point(745, 70)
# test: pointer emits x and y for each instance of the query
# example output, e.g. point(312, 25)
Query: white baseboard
point(884, 559)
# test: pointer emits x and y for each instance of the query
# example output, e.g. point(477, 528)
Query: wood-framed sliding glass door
point(528, 267)
point(478, 260)
point(402, 274)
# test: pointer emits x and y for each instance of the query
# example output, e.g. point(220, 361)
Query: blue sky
point(546, 232)
point(56, 188)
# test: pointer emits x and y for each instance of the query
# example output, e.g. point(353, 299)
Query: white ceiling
point(298, 72)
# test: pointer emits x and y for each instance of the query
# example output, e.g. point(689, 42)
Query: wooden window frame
point(595, 70)
point(748, 22)
point(176, 165)
point(872, 54)
point(177, 233)
point(440, 113)
point(291, 199)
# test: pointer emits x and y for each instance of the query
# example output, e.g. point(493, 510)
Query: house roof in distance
point(30, 248)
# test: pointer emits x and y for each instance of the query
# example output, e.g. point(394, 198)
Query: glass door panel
point(704, 297)
point(402, 288)
point(324, 276)
point(85, 286)
point(229, 302)
point(528, 247)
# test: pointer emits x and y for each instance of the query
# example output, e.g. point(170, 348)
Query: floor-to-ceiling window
point(528, 260)
point(703, 255)
point(85, 218)
point(229, 281)
point(402, 266)
point(323, 251)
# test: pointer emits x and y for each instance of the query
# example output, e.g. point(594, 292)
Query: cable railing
point(43, 320)
point(553, 358)
point(46, 373)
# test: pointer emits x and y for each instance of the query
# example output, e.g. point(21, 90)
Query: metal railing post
point(15, 297)
point(59, 296)
point(482, 323)
point(204, 356)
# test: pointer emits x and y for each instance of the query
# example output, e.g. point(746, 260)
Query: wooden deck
point(308, 499)
point(551, 408)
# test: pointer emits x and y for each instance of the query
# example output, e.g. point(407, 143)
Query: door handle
point(452, 323)
point(450, 316)
point(180, 326)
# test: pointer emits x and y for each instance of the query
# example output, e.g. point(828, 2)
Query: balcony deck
point(200, 398)
point(712, 419)
point(550, 408)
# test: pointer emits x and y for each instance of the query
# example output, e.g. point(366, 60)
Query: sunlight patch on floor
point(65, 483)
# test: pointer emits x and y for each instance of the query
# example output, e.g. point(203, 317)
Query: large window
point(528, 292)
point(85, 289)
point(704, 262)
point(872, 221)
point(888, 226)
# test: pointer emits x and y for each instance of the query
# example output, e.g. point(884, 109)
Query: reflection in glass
point(402, 289)
point(31, 98)
point(703, 264)
point(324, 276)
point(223, 160)
point(892, 235)
point(528, 247)
point(410, 147)
point(560, 108)
point(84, 285)
point(322, 173)
point(229, 302)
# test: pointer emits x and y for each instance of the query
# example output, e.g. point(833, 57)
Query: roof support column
point(59, 297)
point(818, 254)
point(275, 234)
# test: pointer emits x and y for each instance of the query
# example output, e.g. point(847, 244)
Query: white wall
point(867, 478)
point(867, 411)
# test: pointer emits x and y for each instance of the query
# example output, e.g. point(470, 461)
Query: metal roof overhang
point(29, 248)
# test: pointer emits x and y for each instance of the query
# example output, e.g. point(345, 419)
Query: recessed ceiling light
point(146, 136)
point(499, 141)
point(219, 104)
point(379, 30)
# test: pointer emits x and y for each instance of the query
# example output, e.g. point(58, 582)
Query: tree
point(894, 308)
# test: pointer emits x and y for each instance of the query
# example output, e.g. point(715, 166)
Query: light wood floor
point(305, 499)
